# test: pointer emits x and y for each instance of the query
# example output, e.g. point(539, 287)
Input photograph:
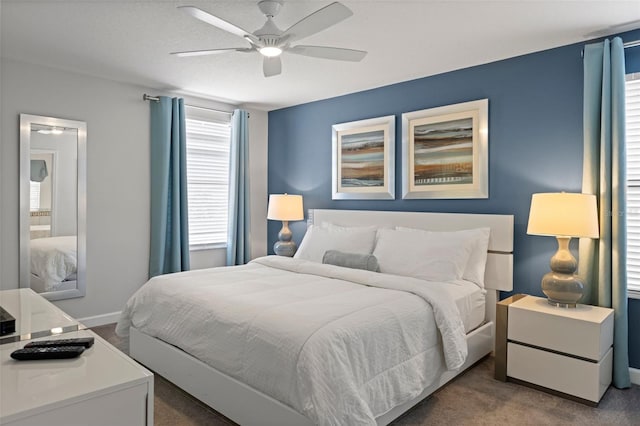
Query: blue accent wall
point(535, 145)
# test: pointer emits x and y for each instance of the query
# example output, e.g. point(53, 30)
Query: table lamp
point(285, 207)
point(563, 215)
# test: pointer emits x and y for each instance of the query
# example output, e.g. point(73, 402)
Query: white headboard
point(499, 271)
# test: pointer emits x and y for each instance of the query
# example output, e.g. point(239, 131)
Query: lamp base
point(561, 304)
point(562, 286)
point(562, 290)
point(285, 248)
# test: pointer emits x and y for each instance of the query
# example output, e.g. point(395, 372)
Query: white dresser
point(560, 349)
point(101, 387)
point(35, 316)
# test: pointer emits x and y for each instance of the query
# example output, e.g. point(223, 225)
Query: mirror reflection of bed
point(54, 263)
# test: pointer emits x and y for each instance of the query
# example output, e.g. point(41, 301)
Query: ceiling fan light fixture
point(270, 51)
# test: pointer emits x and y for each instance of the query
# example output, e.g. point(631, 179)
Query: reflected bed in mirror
point(52, 206)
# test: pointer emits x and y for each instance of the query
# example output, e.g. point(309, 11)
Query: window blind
point(208, 143)
point(34, 196)
point(632, 94)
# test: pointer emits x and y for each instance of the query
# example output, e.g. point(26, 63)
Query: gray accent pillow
point(351, 260)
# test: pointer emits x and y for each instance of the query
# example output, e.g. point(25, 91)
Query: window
point(34, 196)
point(632, 93)
point(208, 143)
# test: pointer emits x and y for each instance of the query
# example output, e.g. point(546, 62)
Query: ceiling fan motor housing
point(270, 41)
point(268, 30)
point(269, 34)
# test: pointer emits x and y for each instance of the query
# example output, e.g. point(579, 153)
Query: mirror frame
point(26, 120)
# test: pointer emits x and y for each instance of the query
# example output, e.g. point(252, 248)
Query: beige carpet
point(474, 398)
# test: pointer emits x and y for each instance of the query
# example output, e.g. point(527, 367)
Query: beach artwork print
point(363, 159)
point(362, 156)
point(446, 152)
point(443, 153)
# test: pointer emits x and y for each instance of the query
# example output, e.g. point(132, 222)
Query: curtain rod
point(157, 99)
point(633, 43)
point(626, 45)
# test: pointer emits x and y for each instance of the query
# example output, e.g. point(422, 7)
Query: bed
point(54, 263)
point(271, 351)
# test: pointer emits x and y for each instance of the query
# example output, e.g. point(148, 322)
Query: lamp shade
point(563, 214)
point(285, 207)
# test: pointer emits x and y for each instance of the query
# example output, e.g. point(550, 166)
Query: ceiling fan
point(270, 41)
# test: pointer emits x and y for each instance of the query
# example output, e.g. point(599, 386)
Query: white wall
point(117, 176)
point(258, 134)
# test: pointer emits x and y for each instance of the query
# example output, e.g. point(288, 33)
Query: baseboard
point(635, 376)
point(100, 319)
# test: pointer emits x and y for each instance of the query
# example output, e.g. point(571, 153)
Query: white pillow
point(421, 255)
point(318, 240)
point(479, 238)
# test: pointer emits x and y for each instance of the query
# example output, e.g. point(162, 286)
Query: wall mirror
point(53, 206)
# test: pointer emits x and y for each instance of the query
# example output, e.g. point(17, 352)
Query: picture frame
point(446, 152)
point(363, 159)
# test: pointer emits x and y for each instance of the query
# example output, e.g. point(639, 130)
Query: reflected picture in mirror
point(52, 206)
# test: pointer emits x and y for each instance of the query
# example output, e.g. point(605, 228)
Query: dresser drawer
point(580, 378)
point(123, 407)
point(585, 331)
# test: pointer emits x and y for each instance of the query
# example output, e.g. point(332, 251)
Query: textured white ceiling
point(129, 40)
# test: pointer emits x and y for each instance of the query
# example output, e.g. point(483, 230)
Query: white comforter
point(54, 259)
point(310, 335)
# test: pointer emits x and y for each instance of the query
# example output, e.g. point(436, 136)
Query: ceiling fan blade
point(271, 66)
point(318, 21)
point(217, 22)
point(209, 52)
point(334, 53)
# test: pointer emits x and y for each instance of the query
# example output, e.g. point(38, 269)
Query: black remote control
point(87, 342)
point(55, 352)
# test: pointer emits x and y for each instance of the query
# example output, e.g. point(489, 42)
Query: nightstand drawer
point(583, 379)
point(585, 331)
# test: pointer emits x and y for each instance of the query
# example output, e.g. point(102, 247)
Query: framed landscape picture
point(363, 157)
point(445, 152)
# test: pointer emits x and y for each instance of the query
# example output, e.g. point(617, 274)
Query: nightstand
point(566, 351)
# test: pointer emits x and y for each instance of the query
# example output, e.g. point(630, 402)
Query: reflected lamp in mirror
point(285, 207)
point(563, 215)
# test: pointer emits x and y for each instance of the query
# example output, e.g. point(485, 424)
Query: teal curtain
point(169, 251)
point(238, 235)
point(603, 261)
